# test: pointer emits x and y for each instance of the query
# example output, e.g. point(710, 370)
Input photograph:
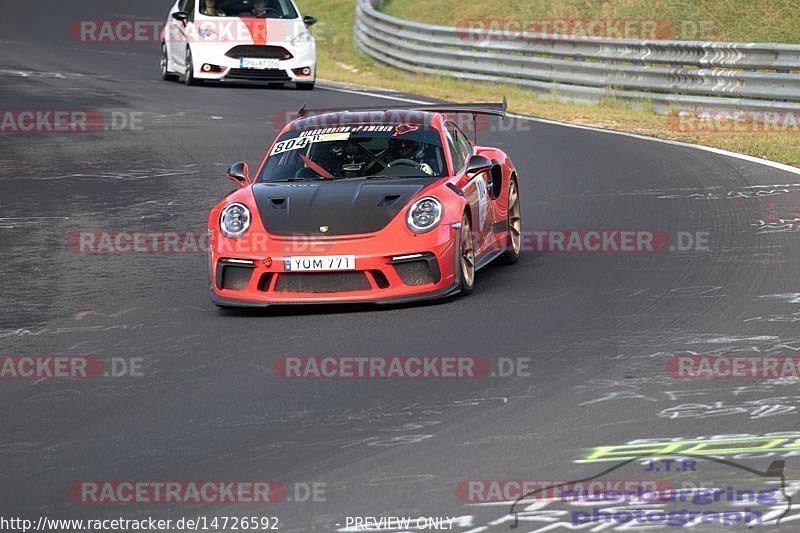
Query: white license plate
point(259, 63)
point(320, 263)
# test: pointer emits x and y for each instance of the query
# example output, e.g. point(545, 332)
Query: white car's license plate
point(320, 263)
point(259, 63)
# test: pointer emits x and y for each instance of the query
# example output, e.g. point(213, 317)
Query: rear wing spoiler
point(496, 109)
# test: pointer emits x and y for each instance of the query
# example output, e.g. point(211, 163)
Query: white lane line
point(377, 95)
point(711, 149)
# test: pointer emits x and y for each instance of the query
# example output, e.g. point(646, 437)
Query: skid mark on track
point(129, 175)
point(38, 74)
point(777, 224)
point(752, 409)
point(788, 298)
point(745, 193)
point(26, 332)
point(83, 314)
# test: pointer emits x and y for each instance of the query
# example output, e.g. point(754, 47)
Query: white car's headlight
point(235, 220)
point(302, 38)
point(425, 214)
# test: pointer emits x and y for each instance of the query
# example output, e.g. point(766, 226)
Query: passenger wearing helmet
point(210, 9)
point(405, 149)
point(328, 156)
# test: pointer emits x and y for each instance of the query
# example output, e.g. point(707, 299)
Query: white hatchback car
point(239, 40)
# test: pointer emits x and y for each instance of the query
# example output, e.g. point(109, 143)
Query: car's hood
point(343, 207)
point(247, 30)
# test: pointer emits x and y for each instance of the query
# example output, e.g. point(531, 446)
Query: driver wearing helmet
point(400, 148)
point(260, 9)
point(210, 9)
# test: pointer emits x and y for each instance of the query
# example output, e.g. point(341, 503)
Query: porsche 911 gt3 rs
point(383, 206)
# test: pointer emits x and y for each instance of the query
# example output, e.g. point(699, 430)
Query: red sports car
point(365, 205)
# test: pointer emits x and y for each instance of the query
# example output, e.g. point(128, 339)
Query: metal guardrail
point(685, 74)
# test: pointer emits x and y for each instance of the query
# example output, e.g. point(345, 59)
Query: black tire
point(166, 75)
point(189, 78)
point(305, 86)
point(511, 255)
point(466, 268)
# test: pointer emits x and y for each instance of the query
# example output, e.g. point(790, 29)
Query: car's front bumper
point(424, 268)
point(300, 68)
point(446, 292)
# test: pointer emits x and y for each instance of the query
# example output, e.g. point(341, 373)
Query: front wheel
point(189, 78)
point(166, 75)
point(466, 257)
point(511, 255)
point(305, 86)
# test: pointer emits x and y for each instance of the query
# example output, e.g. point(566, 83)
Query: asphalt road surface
point(598, 328)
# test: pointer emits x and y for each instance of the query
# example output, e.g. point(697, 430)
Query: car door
point(177, 33)
point(476, 190)
point(488, 186)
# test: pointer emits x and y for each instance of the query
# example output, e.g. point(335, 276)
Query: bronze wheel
point(466, 252)
point(514, 247)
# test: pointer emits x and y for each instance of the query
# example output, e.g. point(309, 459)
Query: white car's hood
point(241, 30)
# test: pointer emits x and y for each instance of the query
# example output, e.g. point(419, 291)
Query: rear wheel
point(166, 75)
point(466, 257)
point(511, 255)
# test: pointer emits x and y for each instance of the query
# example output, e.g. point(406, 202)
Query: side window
point(459, 160)
point(463, 144)
point(190, 9)
point(183, 6)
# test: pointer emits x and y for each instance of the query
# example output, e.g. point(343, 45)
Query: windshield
point(270, 9)
point(356, 151)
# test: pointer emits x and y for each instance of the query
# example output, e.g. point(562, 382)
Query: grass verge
point(339, 61)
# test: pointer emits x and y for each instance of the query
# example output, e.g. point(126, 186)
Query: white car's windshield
point(271, 9)
point(356, 151)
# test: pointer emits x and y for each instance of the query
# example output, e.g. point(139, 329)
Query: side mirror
point(240, 173)
point(182, 16)
point(478, 164)
point(309, 21)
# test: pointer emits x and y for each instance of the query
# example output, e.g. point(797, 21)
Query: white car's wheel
point(166, 75)
point(189, 78)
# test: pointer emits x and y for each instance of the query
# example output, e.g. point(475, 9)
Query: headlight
point(302, 37)
point(424, 214)
point(235, 220)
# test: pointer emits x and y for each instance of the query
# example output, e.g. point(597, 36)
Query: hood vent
point(278, 203)
point(389, 199)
